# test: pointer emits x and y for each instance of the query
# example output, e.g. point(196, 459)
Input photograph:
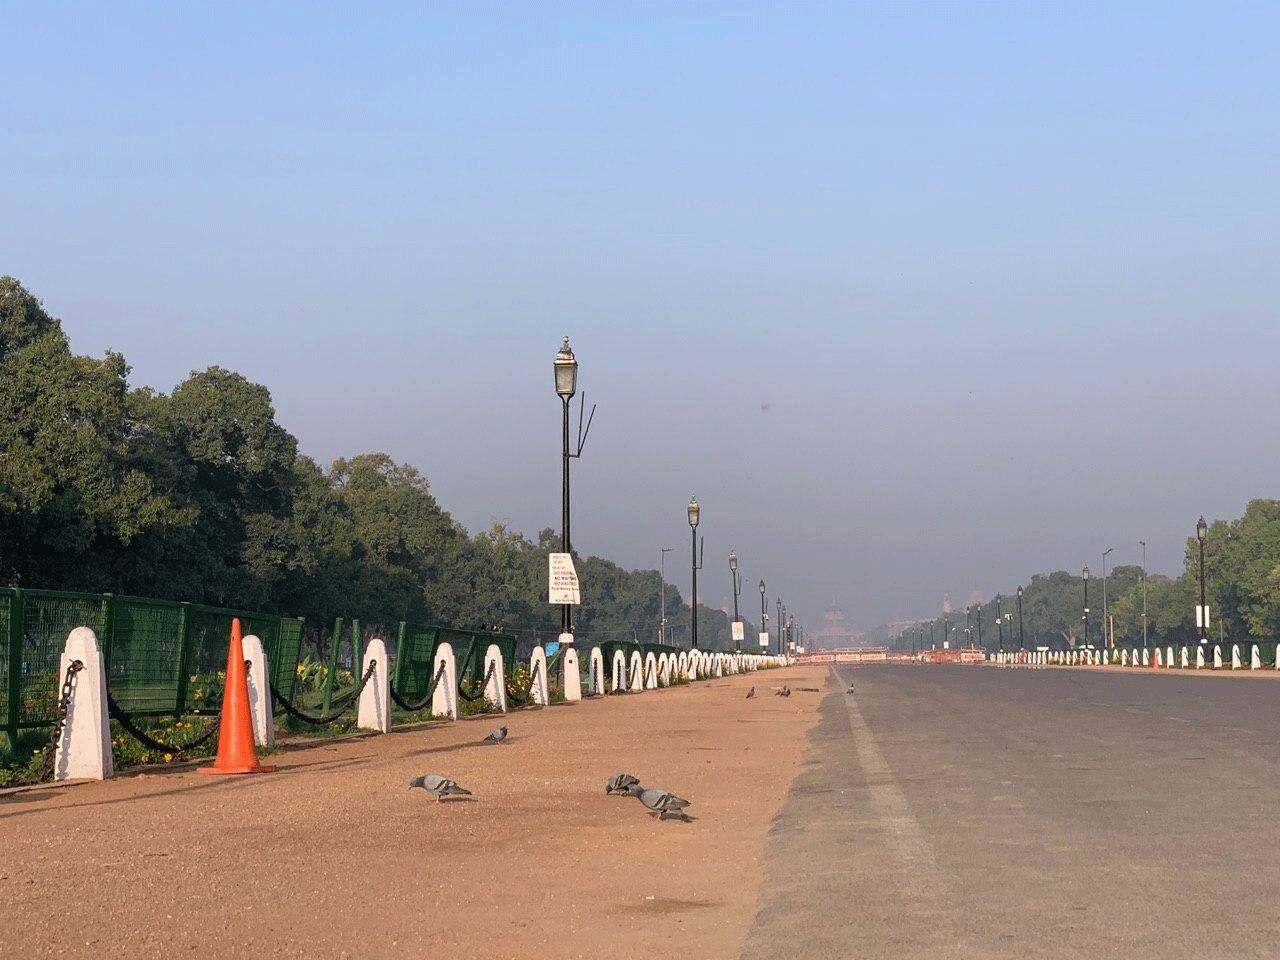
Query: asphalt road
point(970, 812)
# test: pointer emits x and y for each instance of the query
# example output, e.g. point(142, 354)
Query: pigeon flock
point(660, 804)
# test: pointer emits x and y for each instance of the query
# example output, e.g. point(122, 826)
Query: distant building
point(836, 632)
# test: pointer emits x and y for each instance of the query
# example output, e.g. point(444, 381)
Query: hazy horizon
point(916, 300)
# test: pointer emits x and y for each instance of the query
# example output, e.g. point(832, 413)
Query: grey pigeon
point(620, 785)
point(850, 690)
point(751, 693)
point(783, 692)
point(661, 803)
point(441, 786)
point(497, 736)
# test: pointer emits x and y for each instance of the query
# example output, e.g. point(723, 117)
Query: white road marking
point(906, 839)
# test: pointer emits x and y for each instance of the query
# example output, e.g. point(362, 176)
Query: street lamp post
point(566, 368)
point(697, 565)
point(782, 649)
point(764, 615)
point(1085, 618)
point(1000, 623)
point(737, 588)
point(1107, 642)
point(1022, 637)
point(977, 613)
point(1202, 614)
point(662, 594)
point(1143, 544)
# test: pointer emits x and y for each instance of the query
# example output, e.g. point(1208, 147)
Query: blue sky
point(916, 298)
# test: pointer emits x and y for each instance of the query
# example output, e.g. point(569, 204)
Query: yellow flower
point(168, 757)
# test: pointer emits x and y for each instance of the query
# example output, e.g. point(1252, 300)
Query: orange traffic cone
point(236, 752)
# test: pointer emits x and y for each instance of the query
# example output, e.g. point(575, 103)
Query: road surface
point(971, 812)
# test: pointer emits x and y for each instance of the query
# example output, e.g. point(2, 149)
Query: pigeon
point(497, 736)
point(620, 785)
point(661, 803)
point(783, 692)
point(751, 693)
point(850, 690)
point(441, 786)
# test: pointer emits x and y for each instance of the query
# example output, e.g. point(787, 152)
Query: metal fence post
point(184, 658)
point(400, 656)
point(357, 641)
point(332, 665)
point(13, 695)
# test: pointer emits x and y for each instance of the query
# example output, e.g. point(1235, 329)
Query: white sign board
point(738, 635)
point(764, 641)
point(562, 579)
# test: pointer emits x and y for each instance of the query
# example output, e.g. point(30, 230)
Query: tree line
point(199, 494)
point(1242, 589)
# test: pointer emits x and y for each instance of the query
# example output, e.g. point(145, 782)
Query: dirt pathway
point(334, 857)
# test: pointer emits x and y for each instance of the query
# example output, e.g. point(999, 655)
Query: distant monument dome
point(835, 632)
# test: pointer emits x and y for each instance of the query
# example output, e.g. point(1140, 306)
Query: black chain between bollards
point(523, 699)
point(150, 742)
point(472, 698)
point(59, 722)
point(404, 704)
point(334, 714)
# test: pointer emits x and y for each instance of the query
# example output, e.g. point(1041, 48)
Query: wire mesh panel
point(144, 655)
point(47, 619)
point(282, 657)
point(415, 652)
point(209, 632)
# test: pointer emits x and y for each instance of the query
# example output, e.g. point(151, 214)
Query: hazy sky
point(916, 299)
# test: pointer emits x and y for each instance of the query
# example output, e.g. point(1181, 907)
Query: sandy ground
point(334, 856)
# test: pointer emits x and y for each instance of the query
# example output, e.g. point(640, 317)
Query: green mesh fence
point(416, 652)
point(161, 657)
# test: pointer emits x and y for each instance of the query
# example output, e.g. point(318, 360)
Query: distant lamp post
point(1085, 618)
point(782, 648)
point(1143, 544)
point(1107, 640)
point(737, 589)
point(1022, 637)
point(977, 613)
point(697, 565)
point(1202, 613)
point(662, 595)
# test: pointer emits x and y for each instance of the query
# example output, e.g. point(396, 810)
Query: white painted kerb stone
point(264, 727)
point(444, 701)
point(495, 690)
point(84, 751)
point(569, 664)
point(374, 712)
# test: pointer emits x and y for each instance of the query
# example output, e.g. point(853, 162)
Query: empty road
point(970, 812)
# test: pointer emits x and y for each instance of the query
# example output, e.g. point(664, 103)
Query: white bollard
point(1155, 660)
point(636, 672)
point(693, 665)
point(1146, 657)
point(682, 663)
point(1168, 657)
point(538, 673)
point(495, 689)
point(264, 725)
point(1200, 656)
point(1186, 663)
point(444, 701)
point(1124, 658)
point(1235, 656)
point(619, 671)
point(1255, 660)
point(595, 672)
point(1217, 657)
point(572, 674)
point(84, 749)
point(650, 671)
point(374, 712)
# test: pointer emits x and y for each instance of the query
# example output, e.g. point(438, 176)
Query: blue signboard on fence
point(553, 647)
